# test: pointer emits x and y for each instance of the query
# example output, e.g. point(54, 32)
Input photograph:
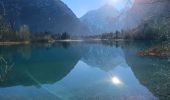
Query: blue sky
point(80, 7)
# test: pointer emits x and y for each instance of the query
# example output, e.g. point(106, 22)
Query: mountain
point(108, 19)
point(102, 19)
point(142, 11)
point(149, 18)
point(41, 15)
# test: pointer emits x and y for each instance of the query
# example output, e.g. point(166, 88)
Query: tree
point(24, 33)
point(6, 31)
point(65, 36)
point(117, 33)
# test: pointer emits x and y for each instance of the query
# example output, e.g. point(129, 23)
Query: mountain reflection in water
point(79, 71)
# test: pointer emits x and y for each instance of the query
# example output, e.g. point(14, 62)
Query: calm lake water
point(82, 71)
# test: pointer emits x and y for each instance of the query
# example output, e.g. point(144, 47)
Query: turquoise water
point(82, 71)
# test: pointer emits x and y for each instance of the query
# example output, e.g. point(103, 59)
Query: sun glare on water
point(116, 80)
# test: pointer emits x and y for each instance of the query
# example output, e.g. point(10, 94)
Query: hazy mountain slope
point(142, 11)
point(102, 19)
point(154, 20)
point(41, 15)
point(107, 19)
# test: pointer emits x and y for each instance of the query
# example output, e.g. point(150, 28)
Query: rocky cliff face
point(41, 15)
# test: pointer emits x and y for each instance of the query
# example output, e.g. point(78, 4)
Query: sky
point(81, 7)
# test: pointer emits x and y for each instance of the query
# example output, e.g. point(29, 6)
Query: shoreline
point(150, 52)
point(53, 41)
point(14, 42)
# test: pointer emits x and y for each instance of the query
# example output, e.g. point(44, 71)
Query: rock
point(156, 52)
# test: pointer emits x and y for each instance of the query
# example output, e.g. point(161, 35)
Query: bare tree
point(4, 69)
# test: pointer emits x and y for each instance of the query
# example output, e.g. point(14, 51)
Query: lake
point(82, 71)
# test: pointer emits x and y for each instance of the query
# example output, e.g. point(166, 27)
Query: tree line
point(145, 31)
point(142, 32)
point(9, 34)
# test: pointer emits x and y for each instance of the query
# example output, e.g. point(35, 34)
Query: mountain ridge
point(42, 16)
point(130, 18)
point(99, 20)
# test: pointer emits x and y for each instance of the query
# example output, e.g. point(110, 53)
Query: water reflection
point(5, 68)
point(151, 72)
point(79, 71)
point(116, 80)
point(89, 83)
point(104, 57)
point(45, 65)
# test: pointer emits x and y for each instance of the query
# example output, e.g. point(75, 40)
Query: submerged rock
point(159, 51)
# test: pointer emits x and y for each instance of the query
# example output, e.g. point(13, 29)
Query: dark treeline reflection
point(46, 62)
point(154, 73)
point(38, 64)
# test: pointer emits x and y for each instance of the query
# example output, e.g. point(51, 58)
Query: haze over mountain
point(108, 19)
point(41, 15)
point(149, 18)
point(102, 20)
point(142, 11)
